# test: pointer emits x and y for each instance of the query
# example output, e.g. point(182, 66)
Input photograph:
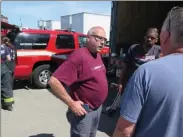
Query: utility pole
point(21, 22)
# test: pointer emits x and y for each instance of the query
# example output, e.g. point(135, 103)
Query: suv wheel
point(41, 75)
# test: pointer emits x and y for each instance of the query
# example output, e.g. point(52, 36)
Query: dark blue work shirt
point(12, 53)
point(4, 52)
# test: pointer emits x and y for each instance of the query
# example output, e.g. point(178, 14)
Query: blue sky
point(31, 11)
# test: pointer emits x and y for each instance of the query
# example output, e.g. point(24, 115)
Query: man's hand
point(117, 86)
point(120, 87)
point(59, 90)
point(77, 109)
point(123, 128)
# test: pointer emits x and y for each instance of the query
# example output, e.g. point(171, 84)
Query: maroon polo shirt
point(85, 75)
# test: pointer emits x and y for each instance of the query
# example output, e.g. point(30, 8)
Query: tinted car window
point(31, 41)
point(65, 42)
point(82, 41)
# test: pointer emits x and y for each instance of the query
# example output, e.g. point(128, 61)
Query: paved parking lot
point(37, 113)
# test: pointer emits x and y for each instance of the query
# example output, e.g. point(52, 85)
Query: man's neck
point(146, 47)
point(179, 50)
point(175, 51)
point(93, 54)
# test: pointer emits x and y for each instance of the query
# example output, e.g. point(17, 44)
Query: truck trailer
point(130, 19)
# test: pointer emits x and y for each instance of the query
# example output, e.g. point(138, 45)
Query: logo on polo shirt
point(148, 58)
point(99, 67)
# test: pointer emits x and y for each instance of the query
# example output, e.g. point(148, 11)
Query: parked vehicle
point(40, 52)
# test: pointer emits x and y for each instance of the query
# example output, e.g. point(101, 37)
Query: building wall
point(49, 24)
point(82, 22)
point(4, 18)
point(56, 25)
point(91, 20)
point(77, 22)
point(65, 22)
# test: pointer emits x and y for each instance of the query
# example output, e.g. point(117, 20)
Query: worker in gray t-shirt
point(137, 55)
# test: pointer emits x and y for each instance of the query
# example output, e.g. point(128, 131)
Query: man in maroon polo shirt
point(85, 75)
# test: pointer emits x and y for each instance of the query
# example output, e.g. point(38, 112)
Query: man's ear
point(87, 39)
point(156, 40)
point(166, 37)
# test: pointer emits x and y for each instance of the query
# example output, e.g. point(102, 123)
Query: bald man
point(85, 75)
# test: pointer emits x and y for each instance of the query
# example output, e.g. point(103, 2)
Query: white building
point(49, 24)
point(82, 22)
point(4, 18)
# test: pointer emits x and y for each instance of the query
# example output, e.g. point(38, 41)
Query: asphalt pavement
point(38, 113)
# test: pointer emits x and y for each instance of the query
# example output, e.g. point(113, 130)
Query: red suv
point(40, 52)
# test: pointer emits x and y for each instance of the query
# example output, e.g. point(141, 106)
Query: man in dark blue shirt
point(6, 77)
point(5, 53)
point(12, 52)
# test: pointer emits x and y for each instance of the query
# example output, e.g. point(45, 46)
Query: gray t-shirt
point(153, 98)
point(136, 56)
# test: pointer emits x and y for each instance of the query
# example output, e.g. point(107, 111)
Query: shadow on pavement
point(21, 84)
point(107, 124)
point(43, 135)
